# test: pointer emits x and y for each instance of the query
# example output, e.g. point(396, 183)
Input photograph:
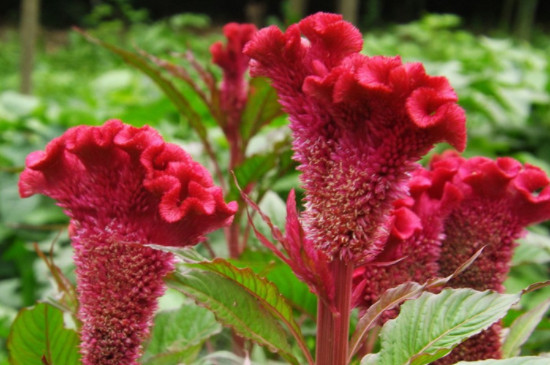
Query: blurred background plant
point(502, 82)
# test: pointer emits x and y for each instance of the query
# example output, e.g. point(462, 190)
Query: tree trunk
point(350, 10)
point(28, 30)
point(295, 10)
point(525, 18)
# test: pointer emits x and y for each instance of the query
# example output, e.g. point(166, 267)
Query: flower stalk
point(123, 188)
point(333, 321)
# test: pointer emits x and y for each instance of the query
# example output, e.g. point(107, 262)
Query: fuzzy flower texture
point(359, 125)
point(455, 208)
point(123, 188)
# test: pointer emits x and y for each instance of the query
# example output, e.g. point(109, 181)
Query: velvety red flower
point(123, 188)
point(358, 125)
point(500, 198)
point(413, 247)
point(234, 63)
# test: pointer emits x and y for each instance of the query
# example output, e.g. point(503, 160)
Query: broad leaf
point(234, 306)
point(522, 328)
point(429, 327)
point(527, 360)
point(389, 300)
point(392, 298)
point(178, 335)
point(264, 291)
point(38, 336)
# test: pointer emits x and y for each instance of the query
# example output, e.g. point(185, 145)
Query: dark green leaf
point(250, 171)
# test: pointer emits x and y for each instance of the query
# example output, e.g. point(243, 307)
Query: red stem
point(233, 236)
point(333, 327)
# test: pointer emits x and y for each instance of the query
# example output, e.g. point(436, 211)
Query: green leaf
point(393, 297)
point(250, 171)
point(261, 108)
point(370, 359)
point(527, 360)
point(429, 327)
point(234, 306)
point(280, 274)
point(38, 336)
point(522, 328)
point(389, 300)
point(264, 291)
point(178, 335)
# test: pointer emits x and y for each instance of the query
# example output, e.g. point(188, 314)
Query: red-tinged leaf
point(394, 297)
point(211, 101)
point(177, 98)
point(265, 292)
point(234, 306)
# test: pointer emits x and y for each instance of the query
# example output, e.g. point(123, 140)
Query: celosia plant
point(359, 124)
point(123, 188)
point(377, 231)
point(238, 105)
point(463, 205)
point(500, 199)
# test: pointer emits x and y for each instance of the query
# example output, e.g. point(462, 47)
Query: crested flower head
point(500, 198)
point(234, 64)
point(413, 247)
point(123, 188)
point(359, 123)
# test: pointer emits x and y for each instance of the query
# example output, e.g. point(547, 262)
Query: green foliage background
point(504, 85)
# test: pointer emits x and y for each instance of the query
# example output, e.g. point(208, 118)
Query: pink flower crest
point(461, 205)
point(413, 247)
point(359, 123)
point(123, 188)
point(234, 87)
point(234, 64)
point(500, 198)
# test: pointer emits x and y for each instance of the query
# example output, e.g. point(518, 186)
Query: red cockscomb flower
point(500, 198)
point(234, 63)
point(235, 87)
point(414, 241)
point(358, 123)
point(123, 188)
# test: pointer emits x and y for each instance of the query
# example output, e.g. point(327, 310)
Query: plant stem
point(233, 236)
point(333, 325)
